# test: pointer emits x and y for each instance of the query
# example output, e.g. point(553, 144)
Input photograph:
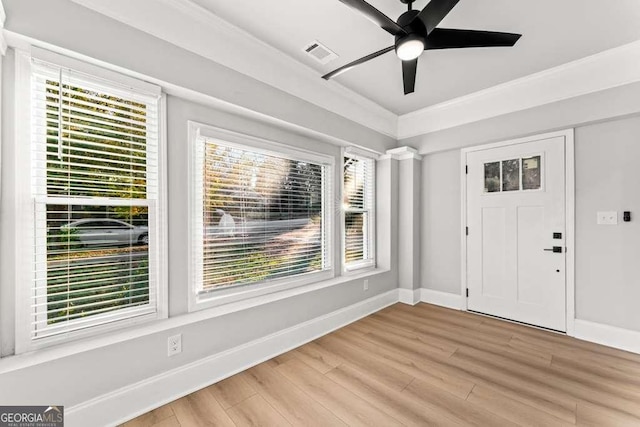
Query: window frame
point(253, 291)
point(371, 262)
point(26, 230)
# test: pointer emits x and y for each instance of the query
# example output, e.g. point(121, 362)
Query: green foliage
point(91, 286)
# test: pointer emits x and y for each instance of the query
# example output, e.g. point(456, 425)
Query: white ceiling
point(554, 32)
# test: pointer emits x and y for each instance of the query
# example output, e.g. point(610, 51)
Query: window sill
point(25, 360)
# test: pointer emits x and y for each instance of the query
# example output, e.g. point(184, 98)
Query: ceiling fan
point(415, 31)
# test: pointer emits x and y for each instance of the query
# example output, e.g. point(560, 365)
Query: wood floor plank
point(317, 357)
point(435, 345)
point(172, 421)
point(587, 352)
point(423, 365)
point(285, 397)
point(419, 367)
point(200, 409)
point(535, 394)
point(593, 415)
point(585, 389)
point(542, 397)
point(279, 360)
point(597, 371)
point(231, 391)
point(464, 411)
point(347, 406)
point(463, 337)
point(401, 406)
point(513, 410)
point(151, 418)
point(385, 372)
point(444, 328)
point(256, 412)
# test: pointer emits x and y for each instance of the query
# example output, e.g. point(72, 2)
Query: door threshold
point(518, 322)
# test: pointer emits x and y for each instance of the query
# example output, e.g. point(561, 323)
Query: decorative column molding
point(409, 208)
point(402, 153)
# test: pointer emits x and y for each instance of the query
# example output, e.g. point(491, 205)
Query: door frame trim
point(569, 171)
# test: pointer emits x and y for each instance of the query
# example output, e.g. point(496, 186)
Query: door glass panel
point(531, 173)
point(492, 177)
point(511, 175)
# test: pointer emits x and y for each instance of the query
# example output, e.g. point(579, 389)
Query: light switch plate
point(608, 218)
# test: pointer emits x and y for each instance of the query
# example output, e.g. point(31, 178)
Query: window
point(519, 174)
point(261, 216)
point(358, 203)
point(95, 197)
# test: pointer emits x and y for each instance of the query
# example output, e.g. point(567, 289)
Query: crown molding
point(182, 23)
point(605, 70)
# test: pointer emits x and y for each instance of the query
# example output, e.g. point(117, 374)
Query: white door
point(515, 219)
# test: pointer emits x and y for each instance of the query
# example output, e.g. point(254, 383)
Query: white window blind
point(358, 203)
point(95, 192)
point(260, 216)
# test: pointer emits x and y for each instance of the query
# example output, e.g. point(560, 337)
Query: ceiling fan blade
point(409, 69)
point(445, 38)
point(434, 12)
point(362, 60)
point(375, 15)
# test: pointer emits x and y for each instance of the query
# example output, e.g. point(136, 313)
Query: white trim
point(605, 70)
point(3, 41)
point(162, 247)
point(267, 146)
point(361, 152)
point(611, 336)
point(570, 228)
point(105, 322)
point(94, 71)
point(463, 227)
point(250, 55)
point(128, 402)
point(403, 153)
point(24, 208)
point(227, 295)
point(443, 299)
point(569, 143)
point(3, 15)
point(409, 296)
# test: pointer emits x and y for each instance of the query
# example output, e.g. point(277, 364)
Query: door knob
point(555, 249)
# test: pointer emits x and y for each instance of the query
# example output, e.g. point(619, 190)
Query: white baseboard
point(128, 402)
point(611, 336)
point(443, 299)
point(409, 296)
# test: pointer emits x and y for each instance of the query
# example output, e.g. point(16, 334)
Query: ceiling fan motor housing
point(413, 27)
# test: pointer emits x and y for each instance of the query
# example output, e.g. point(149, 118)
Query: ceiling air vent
point(320, 52)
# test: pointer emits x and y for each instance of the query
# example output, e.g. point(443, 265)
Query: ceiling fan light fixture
point(410, 47)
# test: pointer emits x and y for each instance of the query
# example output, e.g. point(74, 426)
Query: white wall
point(75, 378)
point(440, 234)
point(607, 143)
point(607, 257)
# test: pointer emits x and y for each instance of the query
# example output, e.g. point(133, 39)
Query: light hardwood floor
point(423, 365)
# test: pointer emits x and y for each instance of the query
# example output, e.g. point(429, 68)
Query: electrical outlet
point(608, 218)
point(366, 284)
point(175, 345)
